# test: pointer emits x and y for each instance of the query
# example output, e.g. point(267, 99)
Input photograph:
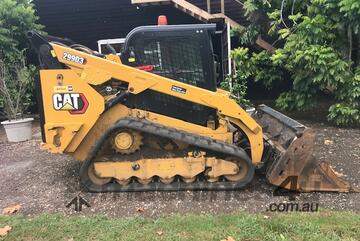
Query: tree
point(16, 85)
point(16, 17)
point(318, 45)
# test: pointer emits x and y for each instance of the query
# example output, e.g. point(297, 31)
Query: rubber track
point(163, 131)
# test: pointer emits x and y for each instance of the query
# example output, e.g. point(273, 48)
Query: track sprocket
point(126, 141)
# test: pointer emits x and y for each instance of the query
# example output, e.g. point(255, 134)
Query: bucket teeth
point(313, 177)
point(322, 177)
point(295, 168)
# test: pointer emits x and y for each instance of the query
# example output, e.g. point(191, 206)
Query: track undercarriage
point(137, 155)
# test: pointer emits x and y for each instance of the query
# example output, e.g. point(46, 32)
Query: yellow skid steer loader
point(154, 119)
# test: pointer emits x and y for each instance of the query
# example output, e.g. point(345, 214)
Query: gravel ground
point(45, 183)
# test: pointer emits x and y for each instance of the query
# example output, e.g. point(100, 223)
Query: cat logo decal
point(75, 103)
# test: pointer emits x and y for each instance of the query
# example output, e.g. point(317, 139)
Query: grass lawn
point(324, 225)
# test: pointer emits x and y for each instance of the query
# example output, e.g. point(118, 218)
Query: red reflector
point(145, 67)
point(162, 20)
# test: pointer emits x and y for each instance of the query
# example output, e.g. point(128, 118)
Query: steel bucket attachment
point(292, 165)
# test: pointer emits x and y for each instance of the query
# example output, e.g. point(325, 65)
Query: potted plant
point(15, 82)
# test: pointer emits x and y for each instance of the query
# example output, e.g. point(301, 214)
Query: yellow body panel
point(96, 71)
point(70, 129)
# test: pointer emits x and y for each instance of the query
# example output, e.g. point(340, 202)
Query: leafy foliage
point(16, 89)
point(16, 17)
point(247, 35)
point(318, 44)
point(237, 83)
point(255, 66)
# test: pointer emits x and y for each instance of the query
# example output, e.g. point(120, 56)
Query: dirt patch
point(43, 182)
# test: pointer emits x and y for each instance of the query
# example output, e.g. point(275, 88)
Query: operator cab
point(180, 52)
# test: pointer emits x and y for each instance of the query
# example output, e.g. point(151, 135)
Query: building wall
point(86, 21)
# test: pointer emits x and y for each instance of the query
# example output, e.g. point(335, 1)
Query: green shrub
point(318, 45)
point(16, 89)
point(16, 17)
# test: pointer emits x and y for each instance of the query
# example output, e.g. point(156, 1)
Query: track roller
point(167, 180)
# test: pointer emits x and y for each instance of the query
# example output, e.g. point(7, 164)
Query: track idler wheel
point(243, 170)
point(126, 141)
point(94, 178)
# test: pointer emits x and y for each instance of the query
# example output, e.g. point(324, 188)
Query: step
point(202, 15)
